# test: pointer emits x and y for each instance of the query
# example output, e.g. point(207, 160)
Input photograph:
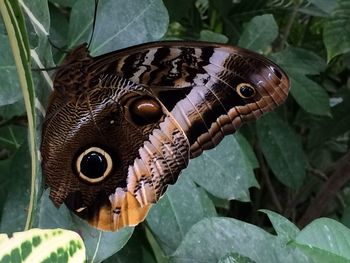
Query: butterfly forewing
point(135, 116)
point(197, 83)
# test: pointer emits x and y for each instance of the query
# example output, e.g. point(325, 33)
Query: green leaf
point(12, 110)
point(15, 205)
point(174, 214)
point(99, 245)
point(50, 216)
point(156, 248)
point(58, 34)
point(325, 5)
point(40, 245)
point(9, 89)
point(133, 252)
point(218, 172)
point(299, 61)
point(336, 33)
point(259, 33)
point(37, 13)
point(282, 150)
point(283, 227)
point(4, 175)
point(309, 95)
point(321, 256)
point(136, 22)
point(325, 239)
point(235, 258)
point(12, 137)
point(207, 35)
point(247, 149)
point(67, 3)
point(213, 238)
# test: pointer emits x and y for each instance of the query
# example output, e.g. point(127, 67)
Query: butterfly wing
point(134, 118)
point(198, 83)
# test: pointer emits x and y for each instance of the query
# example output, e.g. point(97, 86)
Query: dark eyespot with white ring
point(245, 90)
point(93, 165)
point(145, 110)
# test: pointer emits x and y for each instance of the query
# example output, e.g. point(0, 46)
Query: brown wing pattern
point(197, 83)
point(122, 126)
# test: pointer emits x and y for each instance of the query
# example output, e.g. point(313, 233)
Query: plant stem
point(286, 31)
point(265, 173)
point(335, 182)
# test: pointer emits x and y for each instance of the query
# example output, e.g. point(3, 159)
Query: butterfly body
point(120, 127)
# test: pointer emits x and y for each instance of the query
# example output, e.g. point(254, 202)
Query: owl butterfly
point(120, 127)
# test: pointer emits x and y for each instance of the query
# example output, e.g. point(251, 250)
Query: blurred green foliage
point(293, 161)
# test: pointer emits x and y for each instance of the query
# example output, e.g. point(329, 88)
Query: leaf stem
point(265, 173)
point(18, 37)
point(287, 29)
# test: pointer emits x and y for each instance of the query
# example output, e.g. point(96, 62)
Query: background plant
point(295, 161)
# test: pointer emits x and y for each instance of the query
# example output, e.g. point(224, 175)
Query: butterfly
point(120, 127)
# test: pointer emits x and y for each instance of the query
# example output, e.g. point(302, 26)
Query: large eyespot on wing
point(93, 165)
point(142, 110)
point(245, 90)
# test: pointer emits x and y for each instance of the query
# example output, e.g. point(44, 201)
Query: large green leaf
point(235, 258)
point(66, 3)
point(119, 23)
point(183, 205)
point(299, 61)
point(225, 171)
point(14, 178)
point(135, 251)
point(39, 245)
point(207, 35)
point(4, 175)
point(50, 216)
point(283, 227)
point(16, 187)
point(211, 239)
point(38, 21)
point(12, 110)
point(259, 33)
point(99, 245)
point(9, 88)
point(325, 5)
point(309, 95)
point(12, 137)
point(336, 33)
point(282, 150)
point(325, 240)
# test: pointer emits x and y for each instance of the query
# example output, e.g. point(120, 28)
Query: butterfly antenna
point(47, 69)
point(93, 23)
point(57, 47)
